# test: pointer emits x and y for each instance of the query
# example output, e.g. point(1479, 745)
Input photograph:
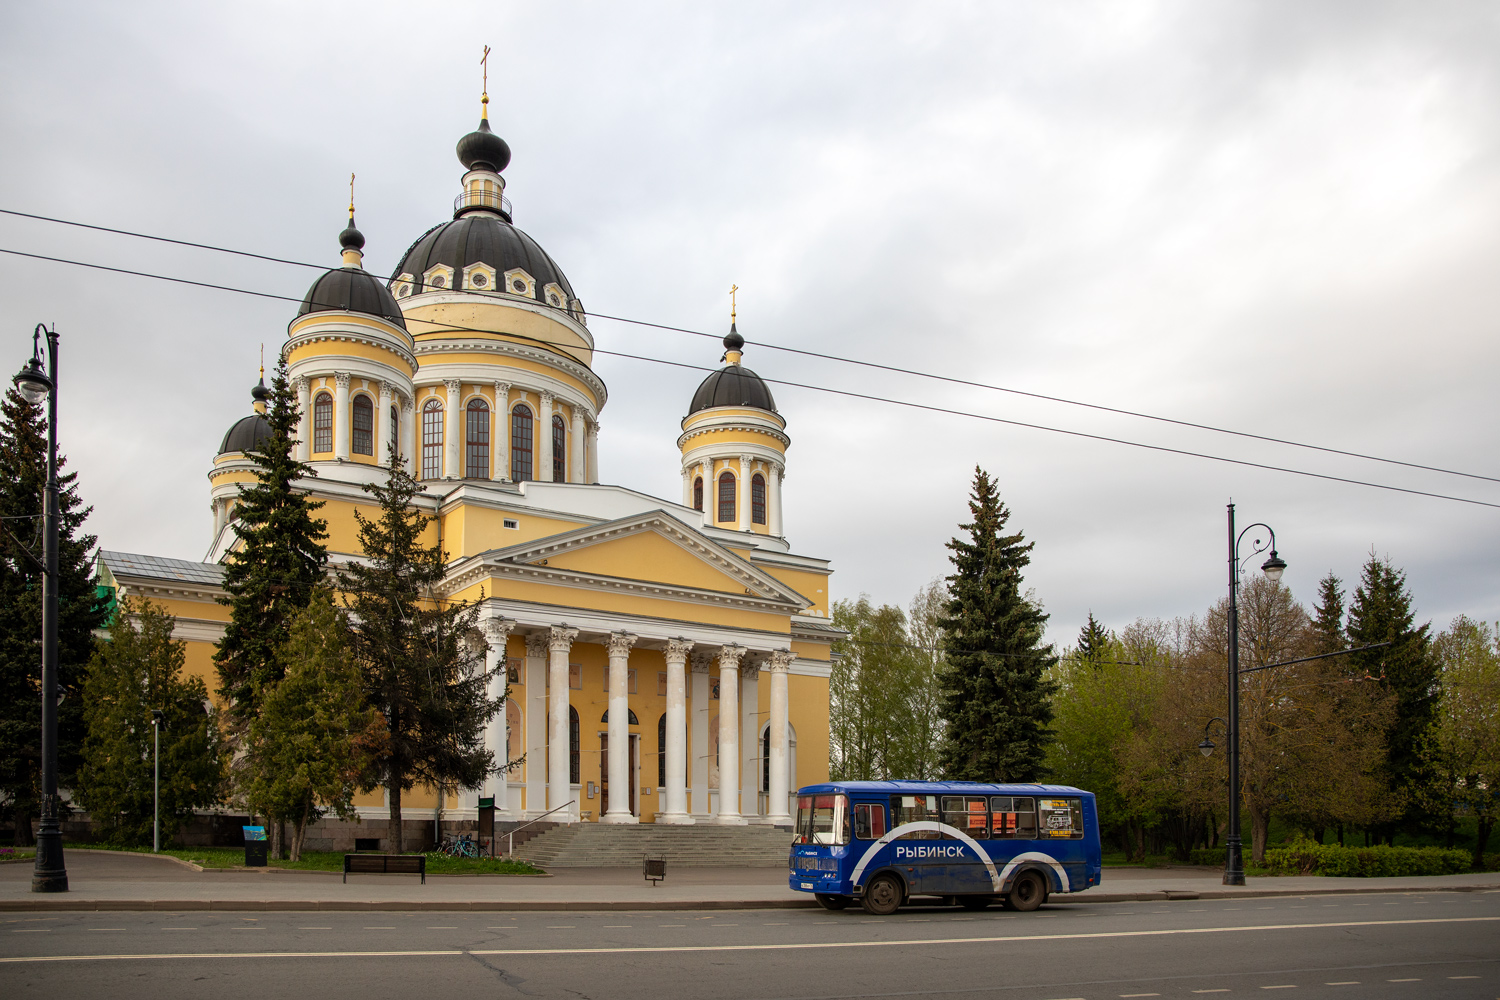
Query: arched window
point(573, 747)
point(520, 443)
point(559, 449)
point(323, 422)
point(661, 751)
point(629, 715)
point(363, 426)
point(758, 498)
point(432, 440)
point(698, 493)
point(726, 496)
point(477, 441)
point(395, 432)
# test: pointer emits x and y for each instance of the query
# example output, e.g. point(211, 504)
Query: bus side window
point(1013, 817)
point(916, 809)
point(869, 821)
point(968, 813)
point(1062, 818)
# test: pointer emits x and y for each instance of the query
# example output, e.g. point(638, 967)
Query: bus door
point(919, 854)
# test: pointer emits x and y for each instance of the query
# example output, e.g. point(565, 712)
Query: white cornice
point(768, 430)
point(385, 334)
point(442, 344)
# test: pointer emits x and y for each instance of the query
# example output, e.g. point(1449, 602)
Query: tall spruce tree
point(1093, 642)
point(1327, 624)
point(421, 659)
point(23, 476)
point(1382, 611)
point(270, 575)
point(997, 698)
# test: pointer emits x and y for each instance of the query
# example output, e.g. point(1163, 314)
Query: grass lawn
point(330, 861)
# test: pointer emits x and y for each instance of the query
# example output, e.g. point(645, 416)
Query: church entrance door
point(634, 765)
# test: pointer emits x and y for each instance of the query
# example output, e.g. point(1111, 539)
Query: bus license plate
point(807, 885)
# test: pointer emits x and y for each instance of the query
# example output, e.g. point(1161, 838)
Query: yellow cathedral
point(668, 660)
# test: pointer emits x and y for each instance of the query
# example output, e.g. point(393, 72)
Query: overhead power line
point(560, 347)
point(875, 365)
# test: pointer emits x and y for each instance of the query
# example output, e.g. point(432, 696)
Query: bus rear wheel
point(975, 902)
point(883, 895)
point(1027, 893)
point(831, 902)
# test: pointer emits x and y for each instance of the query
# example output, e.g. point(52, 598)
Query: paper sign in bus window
point(1061, 817)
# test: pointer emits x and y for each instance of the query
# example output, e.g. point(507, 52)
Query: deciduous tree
point(1468, 723)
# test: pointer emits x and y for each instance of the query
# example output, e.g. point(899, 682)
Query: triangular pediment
point(650, 548)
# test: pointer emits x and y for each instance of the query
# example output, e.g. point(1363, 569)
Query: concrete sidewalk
point(117, 881)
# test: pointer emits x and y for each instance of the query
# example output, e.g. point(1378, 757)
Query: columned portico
point(750, 737)
point(701, 807)
point(453, 450)
point(559, 783)
point(500, 471)
point(536, 724)
point(383, 417)
point(496, 633)
point(618, 644)
point(777, 808)
point(304, 420)
point(729, 737)
point(677, 652)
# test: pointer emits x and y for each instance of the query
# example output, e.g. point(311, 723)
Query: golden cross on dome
point(732, 290)
point(262, 362)
point(351, 195)
point(484, 97)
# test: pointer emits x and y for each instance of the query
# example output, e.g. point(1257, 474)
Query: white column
point(575, 447)
point(619, 644)
point(559, 785)
point(341, 415)
point(496, 633)
point(698, 743)
point(409, 435)
point(687, 486)
point(742, 493)
point(750, 739)
point(675, 807)
point(453, 432)
point(729, 737)
point(535, 721)
point(501, 471)
point(383, 443)
point(304, 420)
point(778, 811)
point(544, 426)
point(592, 451)
point(773, 500)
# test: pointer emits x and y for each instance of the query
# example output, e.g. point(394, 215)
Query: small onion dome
point(732, 340)
point(351, 238)
point(482, 149)
point(260, 393)
point(248, 433)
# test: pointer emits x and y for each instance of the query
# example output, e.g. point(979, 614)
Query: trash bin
point(255, 846)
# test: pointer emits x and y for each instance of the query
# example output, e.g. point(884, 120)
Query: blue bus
point(882, 842)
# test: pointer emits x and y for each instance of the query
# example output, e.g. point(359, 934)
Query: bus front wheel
point(831, 902)
point(1027, 893)
point(883, 895)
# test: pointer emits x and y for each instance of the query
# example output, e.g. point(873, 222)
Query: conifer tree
point(1327, 624)
point(1093, 642)
point(140, 668)
point(421, 659)
point(997, 697)
point(306, 749)
point(1382, 611)
point(270, 575)
point(23, 476)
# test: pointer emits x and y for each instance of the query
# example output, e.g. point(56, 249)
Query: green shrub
point(1207, 856)
point(1304, 857)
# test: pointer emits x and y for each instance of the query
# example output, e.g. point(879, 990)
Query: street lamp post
point(1234, 862)
point(35, 383)
point(157, 718)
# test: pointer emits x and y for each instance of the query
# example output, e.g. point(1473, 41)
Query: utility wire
point(896, 369)
point(820, 388)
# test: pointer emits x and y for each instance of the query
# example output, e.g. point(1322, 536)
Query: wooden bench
point(386, 864)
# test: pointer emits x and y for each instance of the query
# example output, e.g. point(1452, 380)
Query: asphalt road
point(1410, 946)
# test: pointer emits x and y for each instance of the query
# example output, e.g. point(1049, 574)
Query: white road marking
point(315, 928)
point(33, 930)
point(1286, 987)
point(785, 946)
point(684, 925)
point(561, 927)
point(1351, 982)
point(454, 927)
point(617, 926)
point(1221, 990)
point(179, 928)
point(1403, 980)
point(1140, 994)
point(1463, 977)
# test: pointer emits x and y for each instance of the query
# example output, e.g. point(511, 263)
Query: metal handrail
point(510, 838)
point(482, 199)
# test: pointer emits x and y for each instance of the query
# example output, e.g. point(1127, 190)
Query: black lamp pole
point(1234, 861)
point(34, 383)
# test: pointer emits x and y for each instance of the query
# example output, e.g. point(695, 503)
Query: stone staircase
point(600, 845)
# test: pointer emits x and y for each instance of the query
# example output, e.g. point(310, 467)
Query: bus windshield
point(822, 819)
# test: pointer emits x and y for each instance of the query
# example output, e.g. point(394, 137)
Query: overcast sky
point(1281, 218)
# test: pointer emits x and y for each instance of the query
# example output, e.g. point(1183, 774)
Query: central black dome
point(482, 239)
